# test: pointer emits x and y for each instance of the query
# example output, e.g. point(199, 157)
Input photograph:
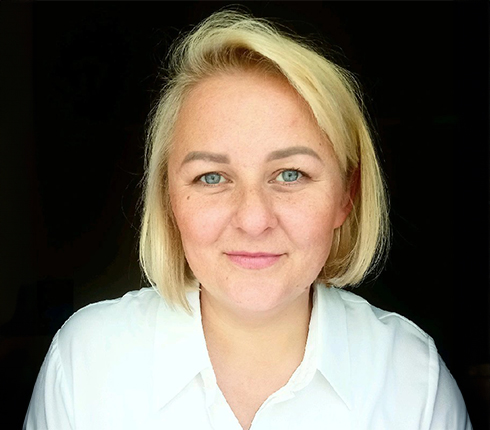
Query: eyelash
point(304, 176)
point(197, 179)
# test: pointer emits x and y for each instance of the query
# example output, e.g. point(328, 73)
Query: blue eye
point(289, 176)
point(212, 178)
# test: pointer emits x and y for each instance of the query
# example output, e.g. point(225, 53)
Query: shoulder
point(110, 326)
point(392, 361)
point(395, 363)
point(389, 338)
point(381, 325)
point(135, 308)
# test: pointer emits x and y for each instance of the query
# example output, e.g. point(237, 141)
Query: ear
point(351, 191)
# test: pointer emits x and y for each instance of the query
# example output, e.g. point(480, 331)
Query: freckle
point(188, 197)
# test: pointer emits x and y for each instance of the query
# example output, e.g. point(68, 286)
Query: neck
point(251, 337)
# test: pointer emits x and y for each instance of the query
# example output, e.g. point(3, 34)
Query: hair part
point(229, 41)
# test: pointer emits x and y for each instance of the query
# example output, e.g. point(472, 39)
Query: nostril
point(255, 213)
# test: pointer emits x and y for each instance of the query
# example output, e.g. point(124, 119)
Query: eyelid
point(303, 176)
point(197, 180)
point(301, 172)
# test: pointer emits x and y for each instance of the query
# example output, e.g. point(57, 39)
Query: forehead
point(235, 111)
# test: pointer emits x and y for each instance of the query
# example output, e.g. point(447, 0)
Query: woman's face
point(256, 191)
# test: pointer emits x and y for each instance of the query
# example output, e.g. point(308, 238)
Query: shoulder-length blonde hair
point(230, 40)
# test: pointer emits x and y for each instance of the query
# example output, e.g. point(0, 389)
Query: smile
point(253, 260)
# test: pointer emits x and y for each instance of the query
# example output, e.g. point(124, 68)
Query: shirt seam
point(57, 353)
point(387, 314)
point(134, 294)
point(431, 389)
point(411, 323)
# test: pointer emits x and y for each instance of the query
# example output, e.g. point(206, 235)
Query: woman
point(263, 198)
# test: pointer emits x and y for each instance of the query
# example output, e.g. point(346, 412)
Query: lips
point(253, 260)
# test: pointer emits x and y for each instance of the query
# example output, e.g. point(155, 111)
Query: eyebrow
point(293, 150)
point(206, 156)
point(274, 155)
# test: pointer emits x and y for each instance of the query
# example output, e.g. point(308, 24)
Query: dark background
point(77, 81)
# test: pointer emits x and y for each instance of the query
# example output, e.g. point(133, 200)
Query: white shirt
point(134, 363)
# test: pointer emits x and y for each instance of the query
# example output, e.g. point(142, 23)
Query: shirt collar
point(181, 352)
point(180, 349)
point(333, 342)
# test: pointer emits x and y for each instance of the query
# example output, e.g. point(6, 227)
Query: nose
point(254, 213)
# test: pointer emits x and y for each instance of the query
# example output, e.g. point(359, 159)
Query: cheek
point(310, 223)
point(199, 223)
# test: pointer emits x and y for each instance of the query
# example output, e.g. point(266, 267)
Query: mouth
point(253, 260)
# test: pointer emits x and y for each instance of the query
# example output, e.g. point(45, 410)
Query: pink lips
point(253, 260)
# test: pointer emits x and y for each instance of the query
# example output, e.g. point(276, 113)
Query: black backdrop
point(77, 81)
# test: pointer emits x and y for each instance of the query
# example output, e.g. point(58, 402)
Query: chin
point(261, 296)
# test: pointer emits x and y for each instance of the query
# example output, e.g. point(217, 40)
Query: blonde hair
point(230, 40)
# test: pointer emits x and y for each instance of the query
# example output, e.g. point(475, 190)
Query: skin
point(254, 133)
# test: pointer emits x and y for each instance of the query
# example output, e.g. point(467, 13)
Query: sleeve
point(50, 407)
point(449, 407)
